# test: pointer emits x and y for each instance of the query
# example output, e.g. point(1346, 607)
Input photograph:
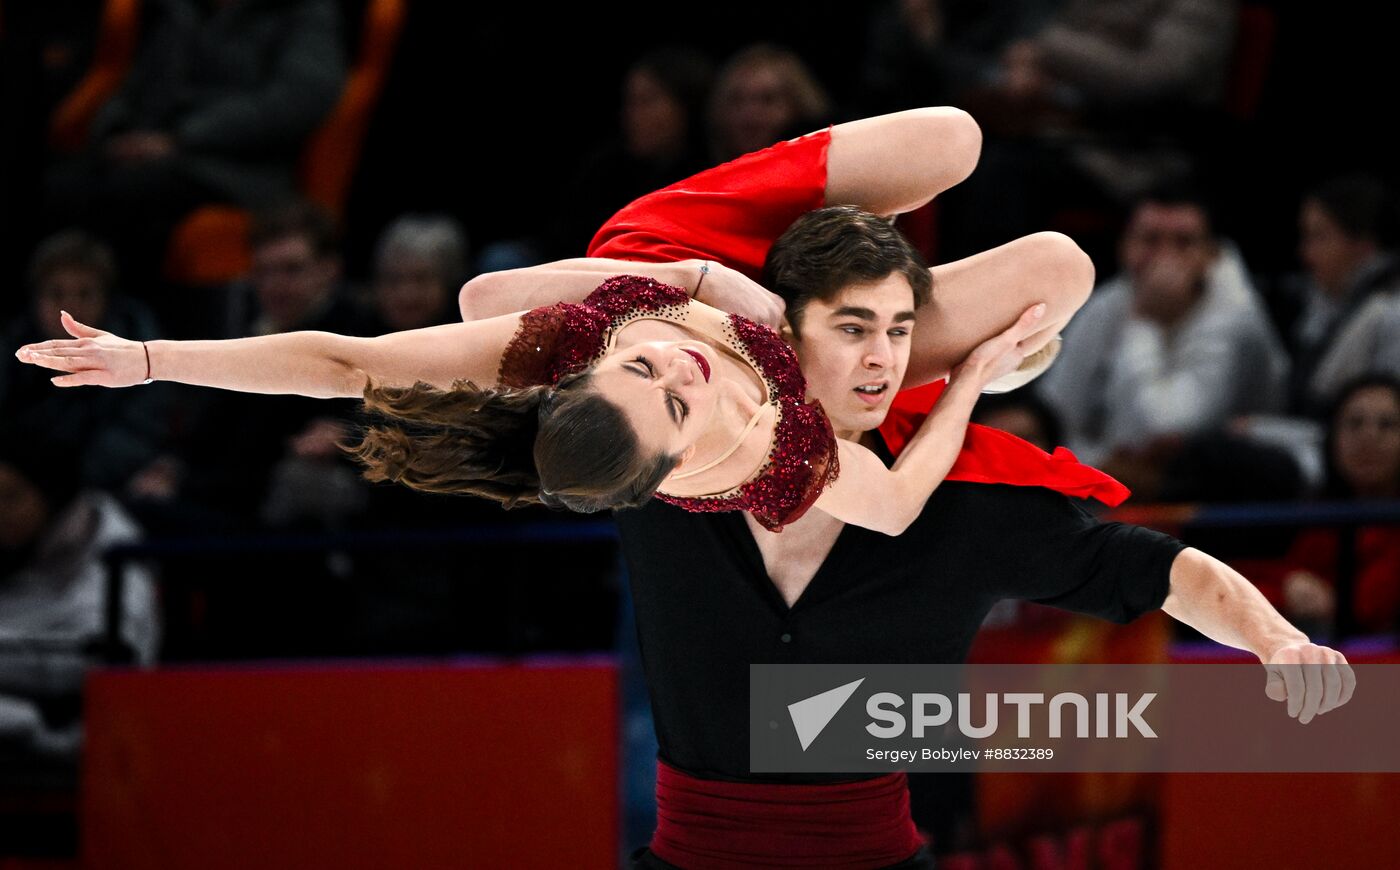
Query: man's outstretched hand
point(1312, 679)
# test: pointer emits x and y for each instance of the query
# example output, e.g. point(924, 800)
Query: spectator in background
point(763, 94)
point(1345, 228)
point(1107, 101)
point(234, 446)
point(1369, 342)
point(52, 595)
point(216, 108)
point(1176, 344)
point(295, 279)
point(662, 140)
point(933, 52)
point(419, 265)
point(1363, 463)
point(1023, 414)
point(106, 442)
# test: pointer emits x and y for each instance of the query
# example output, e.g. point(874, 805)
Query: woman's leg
point(895, 163)
point(979, 296)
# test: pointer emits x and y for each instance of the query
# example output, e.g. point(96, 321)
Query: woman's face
point(668, 389)
point(1366, 447)
point(756, 109)
point(653, 120)
point(1327, 252)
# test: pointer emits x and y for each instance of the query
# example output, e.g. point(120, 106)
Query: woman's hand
point(91, 356)
point(1001, 354)
point(731, 290)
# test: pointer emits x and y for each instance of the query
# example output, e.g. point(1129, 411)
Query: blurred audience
point(1363, 463)
point(661, 141)
point(242, 456)
point(53, 534)
point(295, 281)
point(107, 435)
point(1105, 102)
point(933, 52)
point(1175, 345)
point(1024, 414)
point(1346, 230)
point(1369, 342)
point(763, 94)
point(221, 97)
point(420, 263)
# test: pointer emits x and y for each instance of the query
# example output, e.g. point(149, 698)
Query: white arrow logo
point(811, 715)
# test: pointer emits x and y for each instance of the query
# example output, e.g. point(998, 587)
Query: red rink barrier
point(353, 766)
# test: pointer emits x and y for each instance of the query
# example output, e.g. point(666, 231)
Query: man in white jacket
point(52, 596)
point(1177, 343)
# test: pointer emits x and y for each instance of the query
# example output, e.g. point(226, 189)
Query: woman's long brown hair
point(562, 446)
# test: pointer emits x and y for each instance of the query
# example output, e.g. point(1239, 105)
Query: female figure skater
point(708, 409)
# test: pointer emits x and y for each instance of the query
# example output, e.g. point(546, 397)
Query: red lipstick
point(702, 362)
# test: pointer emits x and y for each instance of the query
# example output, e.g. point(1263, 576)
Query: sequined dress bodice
point(557, 340)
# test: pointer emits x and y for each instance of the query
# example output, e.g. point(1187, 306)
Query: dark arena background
point(220, 647)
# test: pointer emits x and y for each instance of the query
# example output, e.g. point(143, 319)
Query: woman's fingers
point(61, 362)
point(89, 377)
point(66, 346)
point(1029, 321)
point(76, 329)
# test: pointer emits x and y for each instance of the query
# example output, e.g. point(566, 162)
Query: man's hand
point(1312, 679)
point(730, 290)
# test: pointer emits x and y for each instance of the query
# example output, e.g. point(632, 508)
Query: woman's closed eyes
point(676, 406)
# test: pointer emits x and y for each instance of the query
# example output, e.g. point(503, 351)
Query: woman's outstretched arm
point(887, 500)
point(321, 365)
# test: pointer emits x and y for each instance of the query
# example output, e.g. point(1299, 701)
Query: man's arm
point(1052, 551)
point(1217, 601)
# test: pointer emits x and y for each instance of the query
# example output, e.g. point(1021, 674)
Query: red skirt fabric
point(714, 825)
point(992, 456)
point(734, 212)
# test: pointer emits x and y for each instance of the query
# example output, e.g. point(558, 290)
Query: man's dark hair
point(829, 249)
point(75, 250)
point(1182, 192)
point(298, 218)
point(1360, 204)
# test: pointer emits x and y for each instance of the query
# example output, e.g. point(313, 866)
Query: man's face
point(854, 351)
point(291, 281)
point(1158, 231)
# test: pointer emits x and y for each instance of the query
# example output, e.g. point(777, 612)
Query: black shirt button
point(786, 638)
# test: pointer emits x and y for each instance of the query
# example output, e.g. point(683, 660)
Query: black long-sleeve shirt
point(706, 608)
